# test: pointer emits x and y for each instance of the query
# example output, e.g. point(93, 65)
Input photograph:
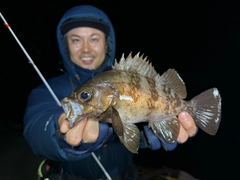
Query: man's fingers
point(91, 130)
point(188, 123)
point(64, 126)
point(183, 135)
point(63, 123)
point(74, 135)
point(188, 127)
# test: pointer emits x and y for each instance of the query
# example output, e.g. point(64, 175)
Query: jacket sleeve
point(41, 130)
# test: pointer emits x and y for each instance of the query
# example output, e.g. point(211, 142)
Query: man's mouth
point(87, 60)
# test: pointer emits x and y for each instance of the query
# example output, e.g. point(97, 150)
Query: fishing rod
point(47, 85)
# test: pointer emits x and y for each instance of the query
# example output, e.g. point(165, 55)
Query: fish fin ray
point(173, 81)
point(166, 128)
point(136, 64)
point(208, 110)
point(117, 123)
point(131, 137)
point(128, 134)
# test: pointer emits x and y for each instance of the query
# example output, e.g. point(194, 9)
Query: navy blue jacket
point(42, 112)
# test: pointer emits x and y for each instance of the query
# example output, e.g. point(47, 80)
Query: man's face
point(87, 47)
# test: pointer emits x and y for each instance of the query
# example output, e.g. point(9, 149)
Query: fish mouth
point(72, 110)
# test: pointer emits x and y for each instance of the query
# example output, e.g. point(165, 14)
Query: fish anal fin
point(173, 81)
point(166, 128)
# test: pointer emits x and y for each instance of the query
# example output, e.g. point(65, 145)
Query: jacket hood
point(77, 73)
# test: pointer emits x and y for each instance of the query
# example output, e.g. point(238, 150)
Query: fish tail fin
point(208, 110)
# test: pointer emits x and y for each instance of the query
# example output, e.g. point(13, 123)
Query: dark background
point(200, 40)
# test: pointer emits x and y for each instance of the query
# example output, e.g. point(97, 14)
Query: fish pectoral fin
point(166, 128)
point(131, 137)
point(128, 134)
point(117, 123)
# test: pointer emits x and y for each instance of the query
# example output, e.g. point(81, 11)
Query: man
point(86, 41)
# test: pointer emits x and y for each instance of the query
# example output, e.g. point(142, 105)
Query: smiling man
point(86, 41)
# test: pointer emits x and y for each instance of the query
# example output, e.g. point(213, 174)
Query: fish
point(134, 92)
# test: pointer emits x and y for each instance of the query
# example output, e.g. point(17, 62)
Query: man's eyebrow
point(93, 34)
point(75, 35)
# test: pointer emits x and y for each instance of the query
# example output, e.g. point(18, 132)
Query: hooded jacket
point(42, 112)
point(78, 74)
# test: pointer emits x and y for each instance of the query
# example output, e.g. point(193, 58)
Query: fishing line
point(47, 85)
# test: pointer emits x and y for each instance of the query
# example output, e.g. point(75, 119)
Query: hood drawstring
point(77, 76)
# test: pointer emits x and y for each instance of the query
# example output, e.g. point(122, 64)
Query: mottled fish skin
point(133, 92)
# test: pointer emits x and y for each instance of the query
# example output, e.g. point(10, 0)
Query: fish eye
point(85, 94)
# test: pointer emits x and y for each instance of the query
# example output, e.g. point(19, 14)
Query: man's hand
point(86, 130)
point(188, 127)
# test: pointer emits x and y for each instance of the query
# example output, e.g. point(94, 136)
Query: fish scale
point(133, 92)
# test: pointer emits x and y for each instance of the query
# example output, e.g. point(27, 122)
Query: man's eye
point(75, 40)
point(94, 40)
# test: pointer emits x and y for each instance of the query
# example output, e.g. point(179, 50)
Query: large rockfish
point(133, 92)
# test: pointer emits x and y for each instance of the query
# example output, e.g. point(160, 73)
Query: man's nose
point(86, 47)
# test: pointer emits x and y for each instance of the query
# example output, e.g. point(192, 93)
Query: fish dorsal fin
point(173, 81)
point(142, 66)
point(136, 64)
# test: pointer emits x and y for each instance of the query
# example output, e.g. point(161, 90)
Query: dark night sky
point(199, 40)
